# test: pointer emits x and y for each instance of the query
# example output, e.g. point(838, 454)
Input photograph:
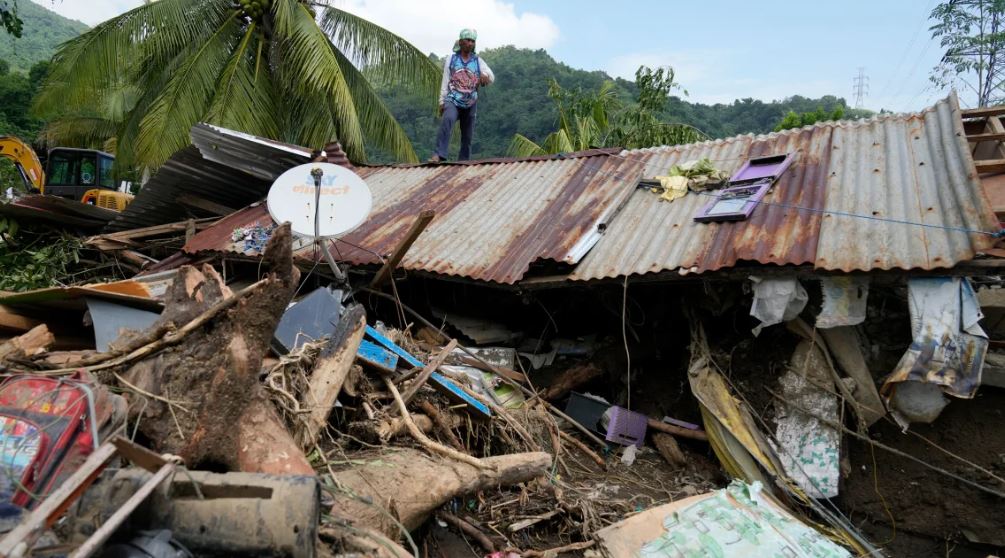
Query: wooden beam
point(118, 239)
point(990, 136)
point(330, 371)
point(990, 166)
point(12, 320)
point(983, 112)
point(205, 205)
point(399, 251)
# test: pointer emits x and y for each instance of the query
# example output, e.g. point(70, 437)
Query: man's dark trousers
point(452, 113)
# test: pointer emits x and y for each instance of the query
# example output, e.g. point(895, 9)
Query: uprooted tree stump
point(202, 387)
point(410, 485)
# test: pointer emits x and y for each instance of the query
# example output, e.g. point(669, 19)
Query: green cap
point(469, 34)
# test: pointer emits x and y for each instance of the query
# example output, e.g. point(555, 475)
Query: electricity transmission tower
point(860, 84)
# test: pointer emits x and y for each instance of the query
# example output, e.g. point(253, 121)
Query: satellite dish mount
point(340, 203)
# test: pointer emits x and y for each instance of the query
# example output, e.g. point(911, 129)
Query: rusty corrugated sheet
point(910, 168)
point(222, 166)
point(492, 220)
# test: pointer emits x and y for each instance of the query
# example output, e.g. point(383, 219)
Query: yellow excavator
point(83, 175)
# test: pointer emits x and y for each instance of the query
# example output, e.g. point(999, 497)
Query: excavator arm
point(26, 161)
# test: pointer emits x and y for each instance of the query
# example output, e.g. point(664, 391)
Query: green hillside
point(43, 31)
point(518, 103)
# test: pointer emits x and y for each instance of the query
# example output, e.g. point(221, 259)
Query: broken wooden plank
point(9, 319)
point(199, 202)
point(35, 341)
point(427, 371)
point(399, 251)
point(983, 112)
point(374, 355)
point(446, 386)
point(119, 239)
point(989, 136)
point(843, 345)
point(330, 371)
point(990, 166)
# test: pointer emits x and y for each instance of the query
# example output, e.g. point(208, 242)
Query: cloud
point(433, 25)
point(91, 12)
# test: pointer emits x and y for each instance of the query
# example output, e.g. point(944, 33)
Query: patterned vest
point(463, 87)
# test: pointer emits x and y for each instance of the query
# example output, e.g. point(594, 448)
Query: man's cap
point(469, 34)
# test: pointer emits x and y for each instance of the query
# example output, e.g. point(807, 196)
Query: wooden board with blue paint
point(376, 356)
point(440, 382)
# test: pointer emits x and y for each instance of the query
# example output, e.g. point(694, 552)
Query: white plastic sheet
point(776, 300)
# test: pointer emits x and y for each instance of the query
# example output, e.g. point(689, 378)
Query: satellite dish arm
point(340, 277)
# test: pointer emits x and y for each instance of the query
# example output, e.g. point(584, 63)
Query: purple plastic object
point(626, 427)
point(759, 168)
point(734, 204)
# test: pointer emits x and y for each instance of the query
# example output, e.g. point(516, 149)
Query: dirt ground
point(924, 502)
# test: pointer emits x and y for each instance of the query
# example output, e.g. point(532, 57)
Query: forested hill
point(518, 103)
point(43, 31)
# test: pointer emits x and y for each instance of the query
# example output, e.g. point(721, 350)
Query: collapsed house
point(592, 345)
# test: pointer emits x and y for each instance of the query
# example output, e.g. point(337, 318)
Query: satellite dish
point(345, 200)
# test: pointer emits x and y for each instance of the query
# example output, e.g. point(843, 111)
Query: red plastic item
point(46, 431)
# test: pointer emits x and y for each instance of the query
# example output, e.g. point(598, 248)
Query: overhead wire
point(762, 202)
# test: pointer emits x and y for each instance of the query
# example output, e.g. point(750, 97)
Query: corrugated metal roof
point(493, 220)
point(914, 167)
point(221, 166)
point(57, 211)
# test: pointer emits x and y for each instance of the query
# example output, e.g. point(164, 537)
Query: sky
point(720, 50)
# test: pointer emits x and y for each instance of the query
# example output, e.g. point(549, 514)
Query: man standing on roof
point(463, 73)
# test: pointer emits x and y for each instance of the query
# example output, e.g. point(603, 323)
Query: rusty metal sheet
point(914, 170)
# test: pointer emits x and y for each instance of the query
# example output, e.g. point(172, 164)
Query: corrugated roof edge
point(859, 122)
point(504, 160)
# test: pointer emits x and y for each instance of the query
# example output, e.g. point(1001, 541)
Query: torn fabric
point(808, 447)
point(949, 345)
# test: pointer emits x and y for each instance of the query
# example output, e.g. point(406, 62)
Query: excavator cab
point(71, 173)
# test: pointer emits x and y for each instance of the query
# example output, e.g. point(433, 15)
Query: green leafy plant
point(600, 120)
point(35, 258)
point(798, 120)
point(972, 32)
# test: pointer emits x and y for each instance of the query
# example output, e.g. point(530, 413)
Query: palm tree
point(598, 119)
point(583, 121)
point(292, 70)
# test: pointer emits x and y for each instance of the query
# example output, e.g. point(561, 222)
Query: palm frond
point(311, 76)
point(522, 146)
point(79, 131)
point(187, 95)
point(149, 35)
point(379, 51)
point(245, 97)
point(376, 120)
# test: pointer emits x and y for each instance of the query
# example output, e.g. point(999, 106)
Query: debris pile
point(216, 386)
